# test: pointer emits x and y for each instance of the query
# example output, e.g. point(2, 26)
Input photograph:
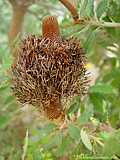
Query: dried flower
point(48, 69)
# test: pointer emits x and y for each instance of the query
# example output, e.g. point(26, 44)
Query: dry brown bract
point(48, 70)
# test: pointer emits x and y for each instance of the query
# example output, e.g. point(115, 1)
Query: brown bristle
point(53, 108)
point(50, 28)
point(46, 71)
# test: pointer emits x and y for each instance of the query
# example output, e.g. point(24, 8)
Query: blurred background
point(95, 133)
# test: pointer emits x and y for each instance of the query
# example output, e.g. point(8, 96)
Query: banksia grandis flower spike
point(49, 69)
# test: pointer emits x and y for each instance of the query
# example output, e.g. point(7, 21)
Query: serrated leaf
point(73, 131)
point(85, 139)
point(102, 89)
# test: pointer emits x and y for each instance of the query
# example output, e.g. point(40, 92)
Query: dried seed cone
point(48, 69)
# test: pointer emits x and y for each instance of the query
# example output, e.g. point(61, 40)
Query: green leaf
point(64, 147)
point(118, 2)
point(83, 4)
point(3, 121)
point(102, 89)
point(73, 132)
point(104, 135)
point(75, 106)
point(102, 8)
point(90, 39)
point(9, 99)
point(4, 86)
point(48, 128)
point(85, 116)
point(36, 155)
point(97, 101)
point(86, 140)
point(55, 140)
point(90, 8)
point(58, 138)
point(113, 74)
point(45, 133)
point(86, 8)
point(25, 147)
point(1, 158)
point(112, 144)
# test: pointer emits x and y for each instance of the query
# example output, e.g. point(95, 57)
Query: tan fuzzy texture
point(49, 69)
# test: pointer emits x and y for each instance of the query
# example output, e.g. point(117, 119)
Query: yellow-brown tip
point(50, 28)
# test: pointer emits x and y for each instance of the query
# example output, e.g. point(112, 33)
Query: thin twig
point(105, 24)
point(82, 21)
point(71, 8)
point(25, 146)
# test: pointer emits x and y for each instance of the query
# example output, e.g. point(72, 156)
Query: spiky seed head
point(48, 69)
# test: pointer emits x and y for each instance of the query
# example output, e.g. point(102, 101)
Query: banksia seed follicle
point(48, 69)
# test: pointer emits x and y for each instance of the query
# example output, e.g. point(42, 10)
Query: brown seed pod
point(49, 68)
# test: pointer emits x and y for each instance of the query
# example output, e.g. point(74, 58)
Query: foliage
point(96, 132)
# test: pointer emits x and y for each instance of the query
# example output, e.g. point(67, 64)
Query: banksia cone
point(48, 69)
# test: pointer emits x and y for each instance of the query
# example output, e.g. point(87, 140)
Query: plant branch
point(71, 8)
point(83, 21)
point(105, 24)
point(19, 12)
